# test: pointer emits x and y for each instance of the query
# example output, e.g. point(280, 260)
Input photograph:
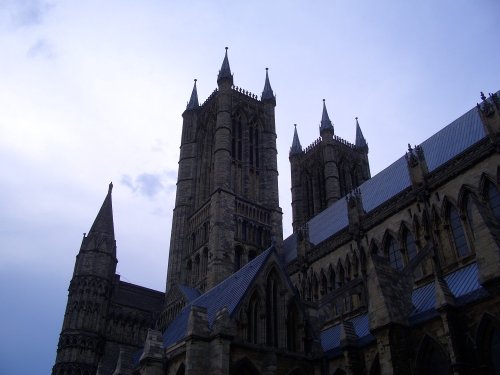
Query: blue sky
point(93, 92)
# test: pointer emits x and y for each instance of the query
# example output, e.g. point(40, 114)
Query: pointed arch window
point(272, 310)
point(432, 359)
point(457, 232)
point(394, 254)
point(410, 245)
point(494, 199)
point(469, 213)
point(253, 319)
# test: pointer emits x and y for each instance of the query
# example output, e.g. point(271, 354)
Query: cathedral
point(397, 273)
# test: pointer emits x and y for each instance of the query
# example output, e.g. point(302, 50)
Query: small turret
point(80, 339)
point(193, 101)
point(326, 124)
point(225, 71)
point(296, 146)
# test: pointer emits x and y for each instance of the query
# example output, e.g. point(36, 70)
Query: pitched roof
point(229, 293)
point(446, 144)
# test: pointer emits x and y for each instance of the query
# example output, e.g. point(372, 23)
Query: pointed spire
point(193, 101)
point(267, 94)
point(360, 139)
point(225, 70)
point(326, 124)
point(103, 223)
point(296, 147)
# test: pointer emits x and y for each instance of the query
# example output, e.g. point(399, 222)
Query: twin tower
point(227, 205)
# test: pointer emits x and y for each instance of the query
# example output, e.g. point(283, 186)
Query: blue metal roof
point(438, 149)
point(463, 284)
point(227, 294)
point(330, 337)
point(290, 248)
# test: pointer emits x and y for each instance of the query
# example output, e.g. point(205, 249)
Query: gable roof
point(229, 293)
point(446, 144)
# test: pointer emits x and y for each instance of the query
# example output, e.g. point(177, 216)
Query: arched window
point(331, 277)
point(457, 232)
point(253, 319)
point(394, 254)
point(272, 310)
point(324, 284)
point(340, 275)
point(410, 245)
point(432, 358)
point(493, 199)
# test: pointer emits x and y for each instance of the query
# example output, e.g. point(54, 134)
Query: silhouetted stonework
point(395, 274)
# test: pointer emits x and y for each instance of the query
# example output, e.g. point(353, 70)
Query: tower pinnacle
point(225, 70)
point(326, 124)
point(296, 146)
point(103, 223)
point(193, 101)
point(360, 139)
point(267, 94)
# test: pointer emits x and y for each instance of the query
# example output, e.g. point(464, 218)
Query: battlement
point(210, 97)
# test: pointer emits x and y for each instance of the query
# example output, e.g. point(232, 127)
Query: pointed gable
point(228, 294)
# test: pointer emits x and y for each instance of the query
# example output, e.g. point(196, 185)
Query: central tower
point(227, 206)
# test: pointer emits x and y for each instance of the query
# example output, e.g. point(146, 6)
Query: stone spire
point(326, 124)
point(225, 70)
point(360, 139)
point(296, 147)
point(103, 223)
point(193, 101)
point(267, 94)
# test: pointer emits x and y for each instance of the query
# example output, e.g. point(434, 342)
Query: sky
point(93, 92)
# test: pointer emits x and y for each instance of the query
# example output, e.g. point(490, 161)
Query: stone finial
point(355, 211)
point(489, 111)
point(417, 165)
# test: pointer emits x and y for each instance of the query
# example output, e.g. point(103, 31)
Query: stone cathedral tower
point(227, 206)
point(326, 170)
